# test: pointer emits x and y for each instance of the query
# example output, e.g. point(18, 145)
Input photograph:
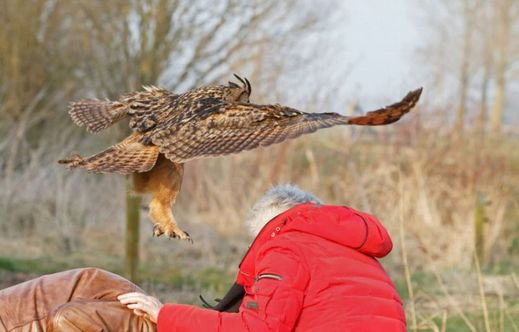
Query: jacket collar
point(268, 232)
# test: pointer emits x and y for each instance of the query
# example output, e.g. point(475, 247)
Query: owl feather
point(170, 129)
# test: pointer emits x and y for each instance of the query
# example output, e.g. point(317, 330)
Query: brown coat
point(74, 300)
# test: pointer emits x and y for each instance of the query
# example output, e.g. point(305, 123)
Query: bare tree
point(31, 57)
point(486, 32)
point(469, 22)
point(475, 40)
point(506, 19)
point(53, 51)
point(177, 44)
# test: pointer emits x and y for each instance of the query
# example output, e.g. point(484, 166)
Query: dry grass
point(423, 184)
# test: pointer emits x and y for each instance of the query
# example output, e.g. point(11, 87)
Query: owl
point(168, 130)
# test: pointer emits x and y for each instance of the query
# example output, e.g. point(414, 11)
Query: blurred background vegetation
point(444, 181)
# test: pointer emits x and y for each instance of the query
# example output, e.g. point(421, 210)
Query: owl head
point(238, 93)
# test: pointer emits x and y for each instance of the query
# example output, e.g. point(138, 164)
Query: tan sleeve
point(32, 305)
point(95, 316)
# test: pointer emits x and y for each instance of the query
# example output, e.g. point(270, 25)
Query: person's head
point(275, 201)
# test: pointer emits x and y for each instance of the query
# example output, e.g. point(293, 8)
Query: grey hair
point(275, 201)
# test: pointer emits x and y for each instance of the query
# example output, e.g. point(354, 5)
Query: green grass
point(420, 280)
point(499, 321)
point(39, 265)
point(214, 281)
point(211, 278)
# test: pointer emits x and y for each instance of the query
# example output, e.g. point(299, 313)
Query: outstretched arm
point(273, 303)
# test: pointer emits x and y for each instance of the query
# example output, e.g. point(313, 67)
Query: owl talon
point(177, 234)
point(157, 231)
point(171, 232)
point(189, 237)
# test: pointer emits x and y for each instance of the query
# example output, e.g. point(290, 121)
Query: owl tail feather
point(96, 115)
point(388, 114)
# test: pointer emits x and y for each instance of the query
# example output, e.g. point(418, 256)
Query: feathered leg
point(163, 182)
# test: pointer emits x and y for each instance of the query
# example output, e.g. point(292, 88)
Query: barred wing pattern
point(231, 128)
point(127, 157)
point(146, 108)
point(95, 114)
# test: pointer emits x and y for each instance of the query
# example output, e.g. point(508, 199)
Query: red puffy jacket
point(312, 268)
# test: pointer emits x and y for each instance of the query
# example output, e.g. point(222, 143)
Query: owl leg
point(163, 182)
point(161, 215)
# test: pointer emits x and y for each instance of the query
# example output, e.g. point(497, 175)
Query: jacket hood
point(340, 224)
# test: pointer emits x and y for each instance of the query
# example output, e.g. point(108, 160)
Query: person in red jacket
point(311, 267)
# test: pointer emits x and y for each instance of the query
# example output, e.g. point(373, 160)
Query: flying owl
point(171, 129)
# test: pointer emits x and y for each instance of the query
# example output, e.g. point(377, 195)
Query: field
point(444, 180)
point(450, 204)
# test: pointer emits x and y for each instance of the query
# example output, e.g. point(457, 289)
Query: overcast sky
point(368, 52)
point(381, 42)
point(381, 38)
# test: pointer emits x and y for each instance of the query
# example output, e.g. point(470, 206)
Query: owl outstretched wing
point(126, 157)
point(146, 108)
point(227, 128)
